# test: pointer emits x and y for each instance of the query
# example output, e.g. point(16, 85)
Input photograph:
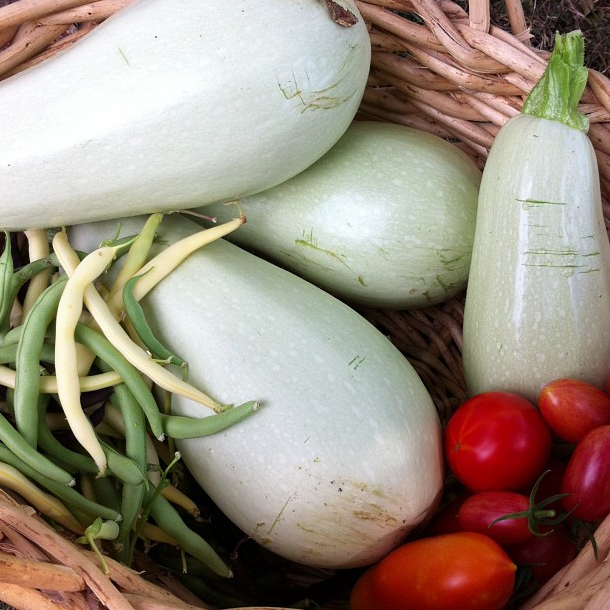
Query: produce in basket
point(384, 219)
point(129, 121)
point(344, 457)
point(538, 299)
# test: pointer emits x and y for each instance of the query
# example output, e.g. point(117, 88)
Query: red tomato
point(497, 441)
point(445, 520)
point(587, 476)
point(572, 407)
point(478, 512)
point(545, 555)
point(461, 571)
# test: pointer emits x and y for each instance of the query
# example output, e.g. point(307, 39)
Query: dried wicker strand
point(64, 552)
point(412, 72)
point(600, 85)
point(516, 19)
point(480, 15)
point(442, 64)
point(29, 40)
point(510, 56)
point(92, 11)
point(130, 581)
point(450, 37)
point(26, 598)
point(16, 13)
point(46, 575)
point(395, 24)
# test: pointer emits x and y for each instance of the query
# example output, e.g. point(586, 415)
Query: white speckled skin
point(344, 457)
point(538, 300)
point(385, 219)
point(176, 103)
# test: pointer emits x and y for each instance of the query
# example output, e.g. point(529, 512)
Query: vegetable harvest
point(344, 456)
point(538, 299)
point(133, 122)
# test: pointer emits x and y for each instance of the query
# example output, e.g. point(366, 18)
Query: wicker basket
point(434, 67)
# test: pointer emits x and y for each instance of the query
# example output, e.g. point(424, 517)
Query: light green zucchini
point(538, 299)
point(175, 103)
point(385, 219)
point(344, 457)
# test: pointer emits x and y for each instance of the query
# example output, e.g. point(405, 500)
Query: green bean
point(106, 492)
point(56, 450)
point(132, 497)
point(29, 348)
point(134, 260)
point(8, 353)
point(105, 351)
point(180, 427)
point(23, 450)
point(6, 279)
point(128, 418)
point(68, 495)
point(27, 272)
point(125, 415)
point(169, 519)
point(123, 468)
point(134, 311)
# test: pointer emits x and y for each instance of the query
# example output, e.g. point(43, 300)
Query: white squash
point(538, 299)
point(176, 103)
point(344, 457)
point(385, 219)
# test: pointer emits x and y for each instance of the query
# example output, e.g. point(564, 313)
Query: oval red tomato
point(461, 570)
point(572, 407)
point(497, 441)
point(480, 513)
point(544, 556)
point(587, 477)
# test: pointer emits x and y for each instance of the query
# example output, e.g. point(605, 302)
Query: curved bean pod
point(68, 495)
point(29, 348)
point(168, 518)
point(48, 384)
point(177, 426)
point(66, 361)
point(135, 313)
point(106, 352)
point(38, 248)
point(47, 504)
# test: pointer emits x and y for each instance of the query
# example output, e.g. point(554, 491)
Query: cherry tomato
point(461, 571)
point(478, 513)
point(497, 441)
point(587, 476)
point(544, 556)
point(445, 520)
point(572, 407)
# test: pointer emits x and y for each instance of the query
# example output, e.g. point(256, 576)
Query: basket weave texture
point(435, 67)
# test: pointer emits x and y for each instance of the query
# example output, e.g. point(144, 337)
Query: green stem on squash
point(557, 94)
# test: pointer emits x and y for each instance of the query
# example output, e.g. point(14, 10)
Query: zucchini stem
point(557, 94)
